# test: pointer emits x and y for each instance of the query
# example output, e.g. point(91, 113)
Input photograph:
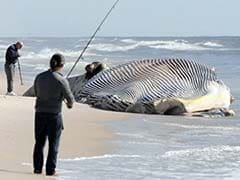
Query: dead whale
point(156, 86)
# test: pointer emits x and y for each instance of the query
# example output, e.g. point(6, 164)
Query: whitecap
point(224, 128)
point(106, 156)
point(212, 44)
point(211, 152)
point(128, 41)
point(46, 53)
point(177, 45)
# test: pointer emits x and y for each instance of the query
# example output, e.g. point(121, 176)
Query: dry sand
point(84, 133)
point(18, 88)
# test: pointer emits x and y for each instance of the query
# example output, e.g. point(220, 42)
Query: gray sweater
point(51, 88)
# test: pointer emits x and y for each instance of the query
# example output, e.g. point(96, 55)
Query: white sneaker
point(11, 93)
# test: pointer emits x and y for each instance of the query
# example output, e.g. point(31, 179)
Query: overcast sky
point(130, 17)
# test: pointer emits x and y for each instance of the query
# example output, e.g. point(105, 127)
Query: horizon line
point(120, 36)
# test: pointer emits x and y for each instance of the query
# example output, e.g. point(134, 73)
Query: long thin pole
point(20, 73)
point(90, 40)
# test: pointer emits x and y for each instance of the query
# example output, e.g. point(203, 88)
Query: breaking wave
point(211, 44)
point(46, 53)
point(176, 45)
point(207, 153)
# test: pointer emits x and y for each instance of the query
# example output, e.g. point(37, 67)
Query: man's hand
point(69, 105)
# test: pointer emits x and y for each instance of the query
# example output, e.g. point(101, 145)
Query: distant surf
point(177, 45)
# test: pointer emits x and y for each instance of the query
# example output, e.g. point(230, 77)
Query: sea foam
point(176, 45)
point(106, 156)
point(212, 152)
point(46, 53)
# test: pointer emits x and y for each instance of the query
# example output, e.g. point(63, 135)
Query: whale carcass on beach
point(167, 86)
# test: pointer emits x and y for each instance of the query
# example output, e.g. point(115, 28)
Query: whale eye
point(220, 82)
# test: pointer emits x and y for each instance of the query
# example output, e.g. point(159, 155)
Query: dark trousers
point(10, 72)
point(47, 125)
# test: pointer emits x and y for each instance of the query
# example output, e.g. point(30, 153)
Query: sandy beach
point(81, 123)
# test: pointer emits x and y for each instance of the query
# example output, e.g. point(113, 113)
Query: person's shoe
point(36, 171)
point(11, 93)
point(53, 173)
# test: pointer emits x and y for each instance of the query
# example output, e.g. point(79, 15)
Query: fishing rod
point(20, 73)
point(90, 40)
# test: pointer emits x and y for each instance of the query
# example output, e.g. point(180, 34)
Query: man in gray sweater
point(51, 88)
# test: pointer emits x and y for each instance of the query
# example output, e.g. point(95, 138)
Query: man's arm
point(67, 94)
point(35, 86)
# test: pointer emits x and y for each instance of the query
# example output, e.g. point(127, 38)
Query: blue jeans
point(47, 125)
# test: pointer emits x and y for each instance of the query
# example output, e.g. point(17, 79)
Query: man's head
point(19, 45)
point(57, 62)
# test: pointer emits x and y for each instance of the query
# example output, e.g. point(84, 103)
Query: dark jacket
point(12, 54)
point(51, 88)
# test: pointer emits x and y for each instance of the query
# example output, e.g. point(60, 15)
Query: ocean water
point(157, 147)
point(151, 146)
